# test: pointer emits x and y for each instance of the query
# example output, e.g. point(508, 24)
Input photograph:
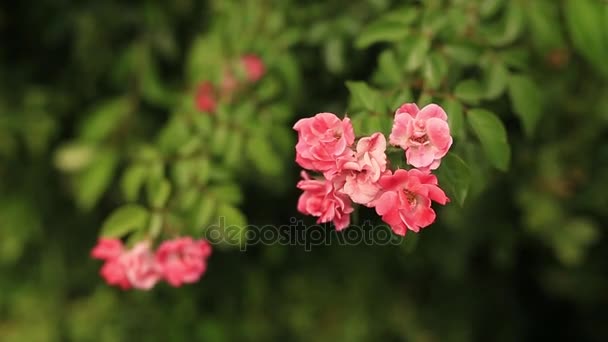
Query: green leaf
point(418, 53)
point(469, 91)
point(104, 119)
point(203, 212)
point(434, 70)
point(543, 20)
point(585, 22)
point(231, 224)
point(124, 220)
point(263, 156)
point(92, 182)
point(368, 97)
point(74, 157)
point(508, 28)
point(392, 27)
point(496, 76)
point(453, 109)
point(454, 176)
point(227, 193)
point(132, 181)
point(488, 8)
point(526, 100)
point(158, 192)
point(464, 54)
point(388, 68)
point(493, 137)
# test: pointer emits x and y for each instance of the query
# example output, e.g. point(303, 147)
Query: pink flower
point(364, 170)
point(127, 268)
point(140, 267)
point(423, 134)
point(320, 199)
point(406, 200)
point(114, 273)
point(183, 260)
point(205, 99)
point(107, 249)
point(254, 67)
point(322, 141)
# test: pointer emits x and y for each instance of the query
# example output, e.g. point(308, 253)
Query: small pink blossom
point(406, 200)
point(254, 67)
point(364, 170)
point(127, 268)
point(107, 249)
point(140, 266)
point(321, 199)
point(423, 134)
point(322, 141)
point(205, 98)
point(183, 260)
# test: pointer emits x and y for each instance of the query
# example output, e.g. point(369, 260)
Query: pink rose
point(140, 267)
point(254, 67)
point(205, 99)
point(107, 249)
point(423, 134)
point(114, 273)
point(127, 268)
point(320, 199)
point(322, 141)
point(183, 260)
point(406, 200)
point(364, 170)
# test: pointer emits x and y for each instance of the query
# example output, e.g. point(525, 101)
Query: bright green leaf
point(124, 220)
point(453, 108)
point(368, 97)
point(132, 181)
point(469, 91)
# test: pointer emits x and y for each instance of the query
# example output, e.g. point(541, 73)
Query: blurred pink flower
point(423, 134)
point(322, 141)
point(205, 99)
point(321, 199)
point(254, 67)
point(107, 249)
point(405, 202)
point(127, 268)
point(183, 260)
point(140, 267)
point(363, 171)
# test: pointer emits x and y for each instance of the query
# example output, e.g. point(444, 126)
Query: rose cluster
point(360, 174)
point(207, 96)
point(178, 261)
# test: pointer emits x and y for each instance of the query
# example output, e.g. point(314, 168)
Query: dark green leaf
point(454, 176)
point(493, 137)
point(469, 91)
point(526, 100)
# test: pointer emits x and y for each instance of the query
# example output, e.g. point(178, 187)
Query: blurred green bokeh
point(91, 92)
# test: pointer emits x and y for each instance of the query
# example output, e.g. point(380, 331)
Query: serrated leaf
point(454, 176)
point(492, 135)
point(526, 100)
point(124, 220)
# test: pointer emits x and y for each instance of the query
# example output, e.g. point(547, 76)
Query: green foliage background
point(97, 124)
